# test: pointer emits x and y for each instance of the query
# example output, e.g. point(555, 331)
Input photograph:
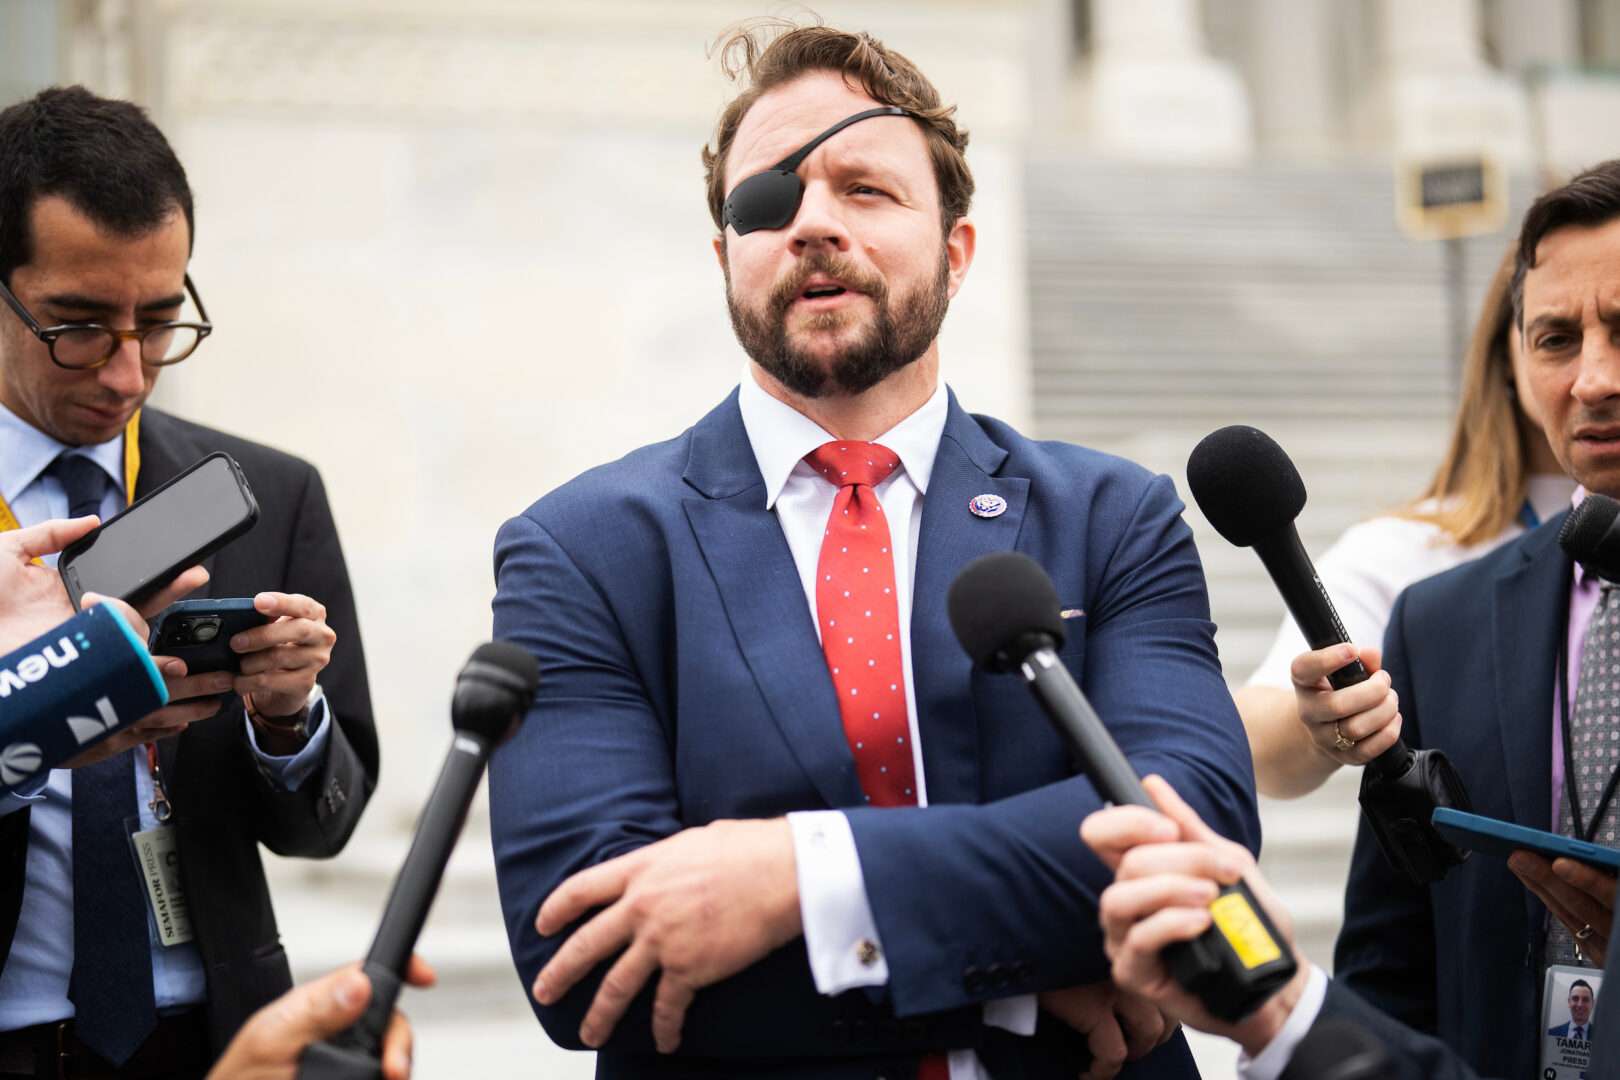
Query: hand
point(32, 597)
point(282, 659)
point(1577, 895)
point(270, 1043)
point(1119, 1026)
point(1367, 713)
point(165, 722)
point(1168, 870)
point(187, 582)
point(700, 906)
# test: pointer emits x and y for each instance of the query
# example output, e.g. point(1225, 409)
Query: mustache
point(1604, 417)
point(844, 269)
point(112, 405)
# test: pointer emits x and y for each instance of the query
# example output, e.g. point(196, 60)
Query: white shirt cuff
point(1270, 1062)
point(1014, 1014)
point(840, 933)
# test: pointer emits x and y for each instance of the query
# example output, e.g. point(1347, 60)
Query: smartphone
point(1478, 833)
point(134, 554)
point(200, 631)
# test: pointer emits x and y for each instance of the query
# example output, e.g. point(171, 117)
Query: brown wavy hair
point(1480, 486)
point(762, 54)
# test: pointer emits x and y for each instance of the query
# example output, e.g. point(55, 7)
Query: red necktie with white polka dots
point(860, 634)
point(860, 621)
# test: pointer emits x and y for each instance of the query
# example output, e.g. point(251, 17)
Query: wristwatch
point(296, 724)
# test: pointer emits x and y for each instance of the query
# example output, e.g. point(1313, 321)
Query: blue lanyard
point(1528, 516)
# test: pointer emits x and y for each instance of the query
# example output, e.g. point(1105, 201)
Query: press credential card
point(1568, 1001)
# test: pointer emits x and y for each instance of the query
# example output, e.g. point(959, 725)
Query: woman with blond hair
point(1498, 478)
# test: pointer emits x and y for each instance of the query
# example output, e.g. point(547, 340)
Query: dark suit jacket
point(224, 808)
point(1471, 653)
point(682, 682)
point(1415, 1056)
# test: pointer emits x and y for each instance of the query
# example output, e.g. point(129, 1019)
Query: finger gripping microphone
point(1006, 615)
point(1251, 493)
point(493, 693)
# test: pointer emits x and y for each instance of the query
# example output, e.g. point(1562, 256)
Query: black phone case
point(235, 615)
point(70, 577)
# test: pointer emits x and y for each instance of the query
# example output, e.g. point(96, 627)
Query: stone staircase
point(1167, 303)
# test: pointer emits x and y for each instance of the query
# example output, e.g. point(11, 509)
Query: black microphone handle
point(418, 883)
point(1291, 570)
point(1099, 755)
point(1240, 960)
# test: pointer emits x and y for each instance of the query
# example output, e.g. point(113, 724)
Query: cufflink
point(867, 952)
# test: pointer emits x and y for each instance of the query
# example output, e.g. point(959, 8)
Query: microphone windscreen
point(1245, 484)
point(997, 601)
point(1588, 536)
point(496, 686)
point(515, 660)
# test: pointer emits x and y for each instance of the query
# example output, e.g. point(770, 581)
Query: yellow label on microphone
point(1243, 930)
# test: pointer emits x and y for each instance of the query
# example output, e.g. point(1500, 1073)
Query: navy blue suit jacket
point(682, 682)
point(1472, 656)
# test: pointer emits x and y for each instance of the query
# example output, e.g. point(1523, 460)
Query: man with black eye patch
point(766, 820)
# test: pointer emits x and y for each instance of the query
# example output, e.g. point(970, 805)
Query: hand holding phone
point(200, 632)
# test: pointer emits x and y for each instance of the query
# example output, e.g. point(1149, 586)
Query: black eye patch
point(770, 199)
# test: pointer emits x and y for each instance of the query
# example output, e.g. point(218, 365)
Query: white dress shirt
point(840, 932)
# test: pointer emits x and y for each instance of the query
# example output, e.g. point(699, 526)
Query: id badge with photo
point(157, 863)
point(1568, 1001)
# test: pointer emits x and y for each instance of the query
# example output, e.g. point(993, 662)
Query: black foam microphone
point(1591, 536)
point(1006, 615)
point(493, 692)
point(1251, 493)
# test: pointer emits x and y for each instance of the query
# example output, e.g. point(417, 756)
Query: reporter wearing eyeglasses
point(96, 302)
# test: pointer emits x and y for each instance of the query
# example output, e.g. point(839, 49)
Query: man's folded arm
point(978, 902)
point(590, 776)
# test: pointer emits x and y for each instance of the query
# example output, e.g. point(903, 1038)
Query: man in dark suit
point(1477, 656)
point(1167, 868)
point(821, 844)
point(95, 235)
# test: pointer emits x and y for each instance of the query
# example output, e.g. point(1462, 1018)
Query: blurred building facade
point(458, 252)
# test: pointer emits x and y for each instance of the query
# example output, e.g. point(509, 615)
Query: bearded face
point(831, 327)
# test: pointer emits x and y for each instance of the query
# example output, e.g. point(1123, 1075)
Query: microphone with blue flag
point(68, 689)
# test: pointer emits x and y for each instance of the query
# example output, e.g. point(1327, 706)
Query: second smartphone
point(200, 631)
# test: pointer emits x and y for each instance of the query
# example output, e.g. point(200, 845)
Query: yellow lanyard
point(132, 469)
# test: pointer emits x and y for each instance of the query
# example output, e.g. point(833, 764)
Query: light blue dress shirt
point(34, 984)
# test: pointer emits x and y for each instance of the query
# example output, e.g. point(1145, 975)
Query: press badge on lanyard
point(1566, 1016)
point(157, 862)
